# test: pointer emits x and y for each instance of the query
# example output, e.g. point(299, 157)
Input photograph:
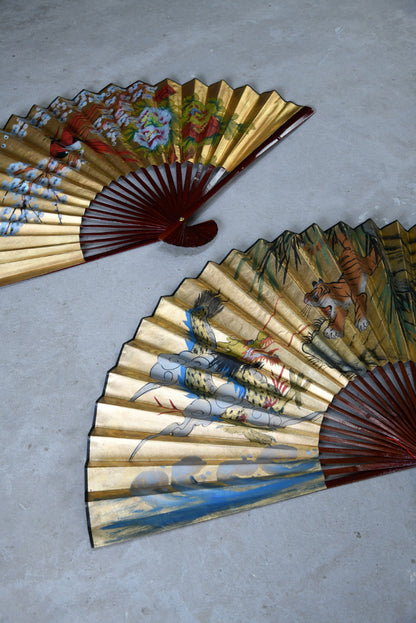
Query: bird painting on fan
point(134, 165)
point(66, 147)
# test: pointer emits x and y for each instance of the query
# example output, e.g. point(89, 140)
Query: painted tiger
point(336, 297)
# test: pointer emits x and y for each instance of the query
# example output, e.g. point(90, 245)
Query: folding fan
point(283, 370)
point(122, 168)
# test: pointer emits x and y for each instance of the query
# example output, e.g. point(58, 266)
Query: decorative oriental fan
point(281, 371)
point(125, 167)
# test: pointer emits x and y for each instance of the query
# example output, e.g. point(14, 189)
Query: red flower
point(163, 92)
point(198, 133)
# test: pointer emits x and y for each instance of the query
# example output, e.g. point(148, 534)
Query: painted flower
point(140, 90)
point(14, 185)
point(32, 174)
point(200, 130)
point(109, 101)
point(112, 135)
point(163, 92)
point(9, 228)
point(12, 218)
point(201, 123)
point(20, 128)
point(40, 118)
point(97, 124)
point(153, 128)
point(54, 181)
point(24, 188)
point(60, 109)
point(122, 117)
point(15, 167)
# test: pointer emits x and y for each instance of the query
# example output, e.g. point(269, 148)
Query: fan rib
point(377, 425)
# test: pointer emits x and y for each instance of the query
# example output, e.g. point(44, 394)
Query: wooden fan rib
point(103, 214)
point(407, 410)
point(95, 248)
point(359, 471)
point(352, 448)
point(104, 250)
point(147, 208)
point(391, 407)
point(94, 229)
point(361, 420)
point(372, 397)
point(195, 198)
point(332, 439)
point(103, 235)
point(357, 412)
point(168, 194)
point(181, 195)
point(389, 422)
point(409, 380)
point(157, 193)
point(187, 182)
point(128, 194)
point(109, 210)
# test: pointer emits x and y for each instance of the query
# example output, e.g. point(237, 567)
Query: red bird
point(60, 148)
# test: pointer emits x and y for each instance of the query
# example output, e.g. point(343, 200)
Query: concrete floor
point(340, 556)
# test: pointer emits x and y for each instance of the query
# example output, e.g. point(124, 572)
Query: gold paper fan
point(121, 168)
point(283, 370)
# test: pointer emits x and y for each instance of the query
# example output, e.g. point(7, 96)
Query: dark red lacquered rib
point(158, 206)
point(375, 405)
point(370, 427)
point(143, 208)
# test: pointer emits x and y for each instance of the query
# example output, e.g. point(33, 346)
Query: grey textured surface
point(341, 556)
